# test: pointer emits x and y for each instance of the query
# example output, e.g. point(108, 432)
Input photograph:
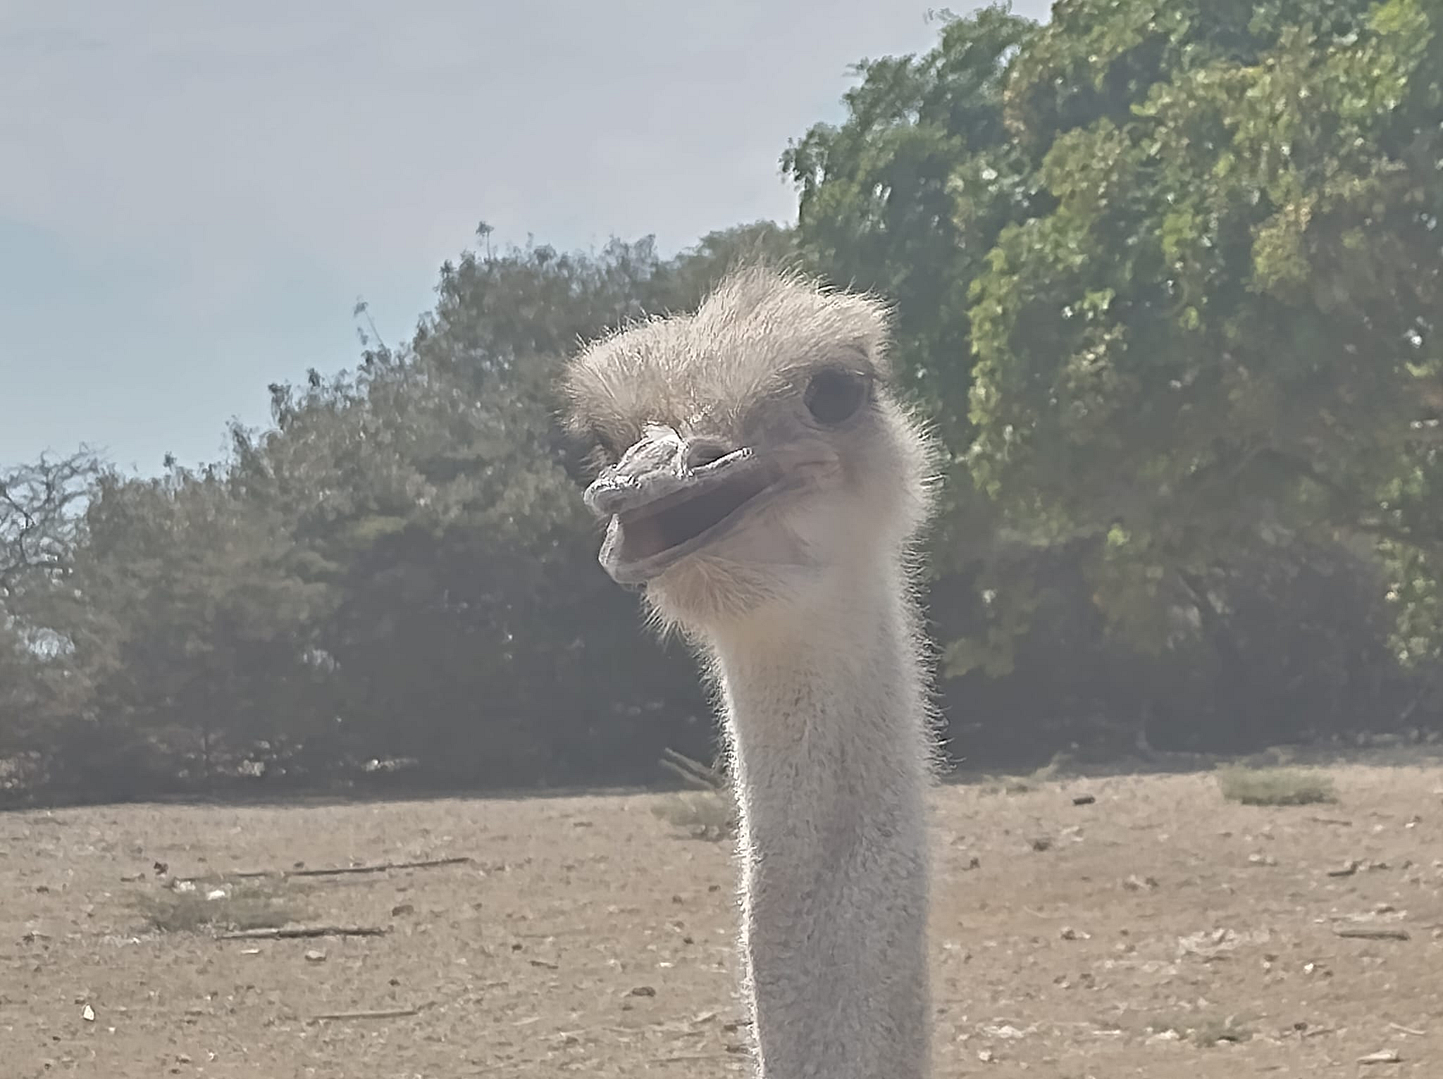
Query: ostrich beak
point(662, 509)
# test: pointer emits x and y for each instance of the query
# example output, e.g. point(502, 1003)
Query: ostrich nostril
point(701, 452)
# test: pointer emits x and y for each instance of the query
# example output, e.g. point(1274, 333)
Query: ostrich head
point(750, 454)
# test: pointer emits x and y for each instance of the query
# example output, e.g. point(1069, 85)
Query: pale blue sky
point(194, 194)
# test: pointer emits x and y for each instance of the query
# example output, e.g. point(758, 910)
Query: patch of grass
point(1061, 764)
point(1211, 1030)
point(1276, 786)
point(246, 905)
point(1003, 784)
point(1205, 1031)
point(701, 814)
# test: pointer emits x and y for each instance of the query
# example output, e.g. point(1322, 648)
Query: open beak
point(661, 509)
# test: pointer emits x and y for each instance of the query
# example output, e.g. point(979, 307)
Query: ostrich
point(764, 489)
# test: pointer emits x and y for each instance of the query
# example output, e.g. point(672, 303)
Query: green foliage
point(1275, 786)
point(1217, 338)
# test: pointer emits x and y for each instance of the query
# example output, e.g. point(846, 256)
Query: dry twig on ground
point(380, 867)
point(385, 1013)
point(694, 773)
point(303, 932)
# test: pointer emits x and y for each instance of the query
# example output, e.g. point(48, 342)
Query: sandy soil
point(1158, 931)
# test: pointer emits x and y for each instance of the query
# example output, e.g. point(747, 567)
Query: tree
point(1223, 336)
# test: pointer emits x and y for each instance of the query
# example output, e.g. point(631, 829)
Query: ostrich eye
point(834, 396)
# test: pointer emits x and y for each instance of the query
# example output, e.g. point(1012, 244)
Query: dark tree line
point(1167, 279)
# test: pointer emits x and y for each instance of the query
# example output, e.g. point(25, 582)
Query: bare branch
point(305, 932)
point(693, 772)
point(40, 504)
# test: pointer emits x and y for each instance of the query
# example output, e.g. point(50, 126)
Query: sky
point(194, 196)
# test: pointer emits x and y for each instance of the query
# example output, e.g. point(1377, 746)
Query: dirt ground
point(1158, 931)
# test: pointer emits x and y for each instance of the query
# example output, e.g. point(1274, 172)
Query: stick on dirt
point(392, 1013)
point(1360, 932)
point(431, 863)
point(305, 932)
point(380, 867)
point(693, 772)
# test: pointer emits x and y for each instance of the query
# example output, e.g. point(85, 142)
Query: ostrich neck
point(830, 745)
